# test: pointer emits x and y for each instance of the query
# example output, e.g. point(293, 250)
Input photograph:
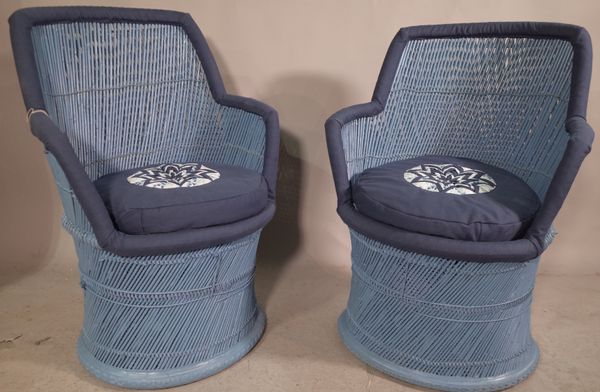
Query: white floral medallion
point(174, 175)
point(450, 178)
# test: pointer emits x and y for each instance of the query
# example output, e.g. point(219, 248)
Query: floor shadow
point(281, 239)
point(303, 263)
point(304, 101)
point(303, 226)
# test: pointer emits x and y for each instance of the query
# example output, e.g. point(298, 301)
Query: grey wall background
point(307, 59)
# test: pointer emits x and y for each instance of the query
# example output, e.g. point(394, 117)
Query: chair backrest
point(502, 101)
point(499, 98)
point(128, 93)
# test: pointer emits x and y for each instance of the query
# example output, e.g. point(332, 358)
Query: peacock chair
point(450, 180)
point(166, 182)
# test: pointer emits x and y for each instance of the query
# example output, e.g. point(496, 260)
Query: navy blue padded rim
point(118, 242)
point(476, 251)
point(576, 35)
point(579, 145)
point(21, 23)
point(23, 20)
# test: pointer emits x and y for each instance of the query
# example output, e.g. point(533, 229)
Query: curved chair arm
point(532, 245)
point(58, 144)
point(351, 129)
point(269, 131)
point(514, 251)
point(335, 146)
point(22, 22)
point(262, 117)
point(220, 95)
point(127, 245)
point(578, 146)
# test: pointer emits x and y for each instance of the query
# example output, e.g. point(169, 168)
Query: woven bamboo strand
point(452, 97)
point(450, 324)
point(129, 95)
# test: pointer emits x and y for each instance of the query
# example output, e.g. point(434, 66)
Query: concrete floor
point(40, 317)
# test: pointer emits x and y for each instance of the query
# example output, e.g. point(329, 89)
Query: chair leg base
point(173, 377)
point(442, 383)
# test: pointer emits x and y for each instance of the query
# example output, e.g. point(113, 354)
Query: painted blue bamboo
point(123, 107)
point(447, 324)
point(451, 97)
point(129, 95)
point(444, 324)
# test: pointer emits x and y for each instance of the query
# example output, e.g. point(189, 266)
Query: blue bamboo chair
point(449, 180)
point(136, 123)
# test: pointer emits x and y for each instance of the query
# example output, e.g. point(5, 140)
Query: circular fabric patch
point(449, 178)
point(174, 175)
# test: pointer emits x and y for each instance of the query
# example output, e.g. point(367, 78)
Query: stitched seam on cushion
point(443, 220)
point(141, 212)
point(193, 203)
point(186, 204)
point(130, 214)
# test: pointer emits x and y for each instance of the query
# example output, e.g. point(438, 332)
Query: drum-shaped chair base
point(168, 320)
point(172, 377)
point(443, 324)
point(429, 380)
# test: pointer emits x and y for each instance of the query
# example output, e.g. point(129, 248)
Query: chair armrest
point(335, 146)
point(107, 237)
point(57, 143)
point(580, 131)
point(578, 147)
point(270, 129)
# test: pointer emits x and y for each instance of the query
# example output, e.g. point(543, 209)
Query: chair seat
point(456, 198)
point(179, 196)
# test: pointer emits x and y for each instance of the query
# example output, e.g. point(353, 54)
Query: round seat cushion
point(179, 196)
point(450, 197)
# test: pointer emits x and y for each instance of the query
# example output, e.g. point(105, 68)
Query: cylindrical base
point(172, 377)
point(433, 381)
point(443, 324)
point(163, 321)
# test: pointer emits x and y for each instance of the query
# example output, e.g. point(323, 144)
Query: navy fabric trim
point(333, 133)
point(477, 251)
point(576, 35)
point(237, 194)
point(502, 214)
point(23, 20)
point(578, 147)
point(57, 143)
point(271, 120)
point(21, 23)
point(120, 243)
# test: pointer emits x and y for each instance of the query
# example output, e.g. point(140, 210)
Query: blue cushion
point(179, 196)
point(450, 197)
